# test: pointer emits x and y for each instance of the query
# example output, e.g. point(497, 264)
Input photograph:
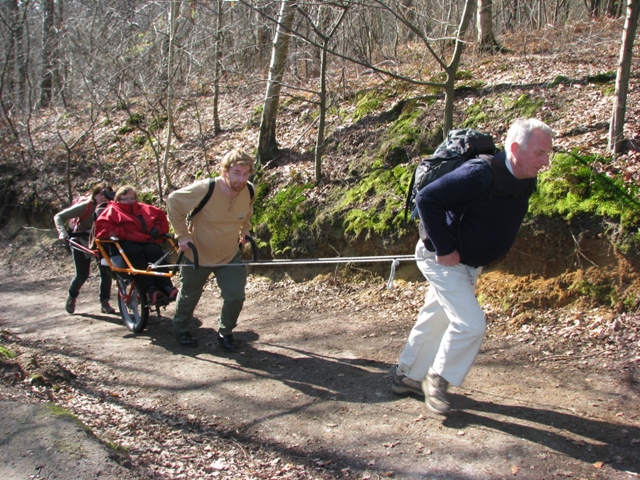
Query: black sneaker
point(186, 340)
point(226, 342)
point(106, 308)
point(70, 306)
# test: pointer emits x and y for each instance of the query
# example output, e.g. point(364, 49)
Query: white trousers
point(448, 333)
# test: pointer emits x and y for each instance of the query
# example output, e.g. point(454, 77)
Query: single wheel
point(132, 304)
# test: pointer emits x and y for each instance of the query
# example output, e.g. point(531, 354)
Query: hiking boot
point(106, 308)
point(403, 385)
point(172, 293)
point(435, 388)
point(226, 342)
point(186, 340)
point(70, 306)
point(156, 297)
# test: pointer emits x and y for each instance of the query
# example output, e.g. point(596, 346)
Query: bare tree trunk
point(267, 144)
point(46, 78)
point(173, 7)
point(616, 128)
point(326, 33)
point(323, 114)
point(216, 70)
point(57, 75)
point(486, 40)
point(7, 81)
point(21, 62)
point(594, 8)
point(452, 68)
point(614, 8)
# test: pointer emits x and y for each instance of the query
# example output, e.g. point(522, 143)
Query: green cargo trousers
point(231, 280)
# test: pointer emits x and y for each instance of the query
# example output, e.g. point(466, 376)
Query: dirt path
point(308, 395)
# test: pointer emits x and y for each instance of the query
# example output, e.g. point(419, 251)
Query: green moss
point(158, 123)
point(402, 134)
point(559, 80)
point(375, 205)
point(475, 114)
point(631, 302)
point(601, 78)
point(601, 293)
point(464, 75)
point(524, 106)
point(573, 187)
point(132, 123)
point(469, 86)
point(5, 352)
point(367, 103)
point(608, 90)
point(146, 197)
point(283, 216)
point(116, 447)
point(59, 411)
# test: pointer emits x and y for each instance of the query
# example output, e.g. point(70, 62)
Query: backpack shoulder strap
point(205, 199)
point(498, 168)
point(86, 212)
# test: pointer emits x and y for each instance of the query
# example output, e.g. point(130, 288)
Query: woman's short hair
point(124, 190)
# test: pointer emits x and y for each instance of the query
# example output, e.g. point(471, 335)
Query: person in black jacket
point(462, 229)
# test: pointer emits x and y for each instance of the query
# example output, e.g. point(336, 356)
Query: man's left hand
point(450, 260)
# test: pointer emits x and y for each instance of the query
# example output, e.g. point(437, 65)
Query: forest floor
point(307, 395)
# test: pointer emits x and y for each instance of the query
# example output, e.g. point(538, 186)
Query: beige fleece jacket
point(216, 228)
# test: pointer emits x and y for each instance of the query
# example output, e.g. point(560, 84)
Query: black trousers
point(83, 268)
point(140, 255)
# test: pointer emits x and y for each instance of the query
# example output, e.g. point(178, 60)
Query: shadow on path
point(585, 439)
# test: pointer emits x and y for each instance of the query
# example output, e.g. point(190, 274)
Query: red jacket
point(132, 221)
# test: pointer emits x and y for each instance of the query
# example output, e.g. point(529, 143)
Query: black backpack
point(460, 146)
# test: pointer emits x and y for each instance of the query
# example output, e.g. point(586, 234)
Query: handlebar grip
point(194, 250)
point(254, 248)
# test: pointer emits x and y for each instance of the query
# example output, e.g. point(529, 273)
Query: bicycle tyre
point(135, 313)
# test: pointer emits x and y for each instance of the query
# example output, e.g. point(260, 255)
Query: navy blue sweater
point(466, 210)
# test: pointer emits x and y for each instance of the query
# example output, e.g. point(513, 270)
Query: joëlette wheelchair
point(132, 301)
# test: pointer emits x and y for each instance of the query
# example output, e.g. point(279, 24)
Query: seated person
point(140, 229)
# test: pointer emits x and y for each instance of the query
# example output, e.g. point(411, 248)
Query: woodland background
point(337, 100)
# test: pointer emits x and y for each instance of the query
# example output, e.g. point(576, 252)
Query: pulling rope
point(394, 259)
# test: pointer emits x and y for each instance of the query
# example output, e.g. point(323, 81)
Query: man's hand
point(183, 244)
point(243, 238)
point(450, 260)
